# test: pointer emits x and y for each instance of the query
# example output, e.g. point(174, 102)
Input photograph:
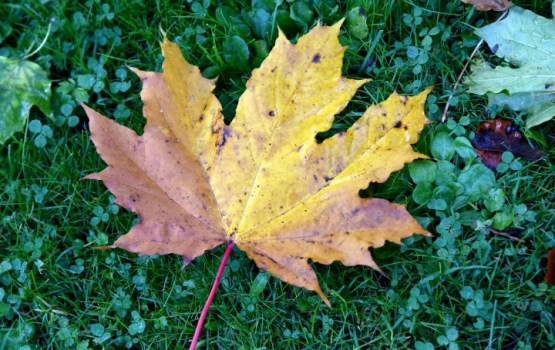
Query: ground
point(466, 288)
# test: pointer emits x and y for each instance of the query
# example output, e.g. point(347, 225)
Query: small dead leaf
point(263, 183)
point(487, 5)
point(550, 274)
point(493, 137)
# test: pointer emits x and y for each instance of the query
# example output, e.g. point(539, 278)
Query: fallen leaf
point(263, 182)
point(527, 42)
point(493, 137)
point(550, 274)
point(22, 85)
point(487, 5)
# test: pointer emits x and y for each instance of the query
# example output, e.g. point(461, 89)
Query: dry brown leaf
point(493, 137)
point(487, 5)
point(550, 273)
point(263, 182)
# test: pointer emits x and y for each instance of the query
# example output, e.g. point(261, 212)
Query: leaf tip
point(84, 106)
point(186, 261)
point(139, 73)
point(91, 113)
point(163, 32)
point(93, 176)
point(339, 23)
point(323, 296)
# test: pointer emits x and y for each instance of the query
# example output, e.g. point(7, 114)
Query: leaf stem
point(52, 20)
point(206, 307)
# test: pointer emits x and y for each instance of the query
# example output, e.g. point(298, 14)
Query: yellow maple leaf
point(262, 183)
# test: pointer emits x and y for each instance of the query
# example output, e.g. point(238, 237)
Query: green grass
point(465, 288)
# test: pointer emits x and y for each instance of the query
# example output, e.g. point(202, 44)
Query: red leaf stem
point(206, 307)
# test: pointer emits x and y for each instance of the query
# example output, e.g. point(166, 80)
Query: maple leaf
point(263, 182)
point(527, 41)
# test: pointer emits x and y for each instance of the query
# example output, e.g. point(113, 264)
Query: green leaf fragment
point(502, 220)
point(443, 146)
point(22, 85)
point(356, 23)
point(437, 204)
point(97, 329)
point(422, 193)
point(495, 200)
point(260, 52)
point(477, 181)
point(259, 283)
point(464, 148)
point(423, 171)
point(236, 53)
point(261, 23)
point(302, 13)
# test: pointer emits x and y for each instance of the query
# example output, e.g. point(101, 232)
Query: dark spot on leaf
point(201, 117)
point(215, 129)
point(225, 135)
point(397, 124)
point(327, 178)
point(315, 177)
point(355, 211)
point(316, 58)
point(405, 127)
point(271, 113)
